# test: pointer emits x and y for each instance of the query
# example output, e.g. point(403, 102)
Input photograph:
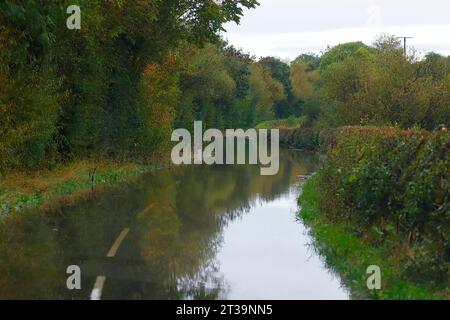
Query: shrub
point(392, 186)
point(301, 138)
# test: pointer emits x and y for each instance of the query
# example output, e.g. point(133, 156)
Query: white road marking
point(96, 293)
point(112, 252)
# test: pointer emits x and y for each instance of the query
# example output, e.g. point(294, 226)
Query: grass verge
point(350, 256)
point(65, 184)
point(290, 123)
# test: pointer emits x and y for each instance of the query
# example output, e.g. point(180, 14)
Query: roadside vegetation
point(289, 123)
point(382, 197)
point(139, 73)
point(97, 106)
point(67, 183)
point(113, 91)
point(349, 254)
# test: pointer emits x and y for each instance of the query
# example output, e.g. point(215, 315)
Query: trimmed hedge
point(301, 138)
point(392, 187)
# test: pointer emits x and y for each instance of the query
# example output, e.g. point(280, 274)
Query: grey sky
point(286, 28)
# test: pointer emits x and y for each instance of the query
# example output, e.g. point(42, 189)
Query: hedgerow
point(392, 187)
point(301, 138)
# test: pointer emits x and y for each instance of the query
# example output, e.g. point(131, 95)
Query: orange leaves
point(172, 59)
point(150, 69)
point(160, 91)
point(170, 63)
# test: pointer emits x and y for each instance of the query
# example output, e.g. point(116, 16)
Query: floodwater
point(218, 232)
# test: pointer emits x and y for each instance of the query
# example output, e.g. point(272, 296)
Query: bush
point(302, 138)
point(392, 186)
point(289, 123)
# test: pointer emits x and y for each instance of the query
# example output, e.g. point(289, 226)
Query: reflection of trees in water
point(207, 199)
point(177, 220)
point(29, 259)
point(206, 284)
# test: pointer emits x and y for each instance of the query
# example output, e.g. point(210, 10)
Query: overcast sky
point(286, 28)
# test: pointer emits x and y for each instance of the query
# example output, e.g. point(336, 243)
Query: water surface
point(219, 232)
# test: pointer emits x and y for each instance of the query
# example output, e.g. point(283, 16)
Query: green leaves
point(392, 186)
point(66, 94)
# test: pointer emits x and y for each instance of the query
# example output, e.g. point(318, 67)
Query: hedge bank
point(391, 189)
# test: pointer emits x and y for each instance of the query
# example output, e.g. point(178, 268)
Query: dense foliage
point(379, 85)
point(137, 69)
point(357, 84)
point(117, 86)
point(300, 138)
point(393, 187)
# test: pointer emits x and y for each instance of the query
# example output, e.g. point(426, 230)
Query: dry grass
point(65, 183)
point(41, 181)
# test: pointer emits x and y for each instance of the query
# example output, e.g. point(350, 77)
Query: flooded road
point(221, 232)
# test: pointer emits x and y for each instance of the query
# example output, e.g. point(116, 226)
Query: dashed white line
point(96, 293)
point(112, 252)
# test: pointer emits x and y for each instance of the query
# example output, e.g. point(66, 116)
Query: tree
point(206, 85)
point(280, 71)
point(383, 87)
point(82, 90)
point(302, 79)
point(386, 43)
point(264, 91)
point(341, 52)
point(311, 59)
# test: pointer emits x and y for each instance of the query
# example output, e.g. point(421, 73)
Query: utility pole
point(404, 43)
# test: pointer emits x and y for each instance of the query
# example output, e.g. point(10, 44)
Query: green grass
point(290, 123)
point(20, 190)
point(349, 256)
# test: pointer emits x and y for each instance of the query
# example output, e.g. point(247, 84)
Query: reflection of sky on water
point(266, 255)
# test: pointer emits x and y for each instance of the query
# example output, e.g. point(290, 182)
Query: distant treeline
point(378, 85)
point(138, 69)
point(356, 84)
